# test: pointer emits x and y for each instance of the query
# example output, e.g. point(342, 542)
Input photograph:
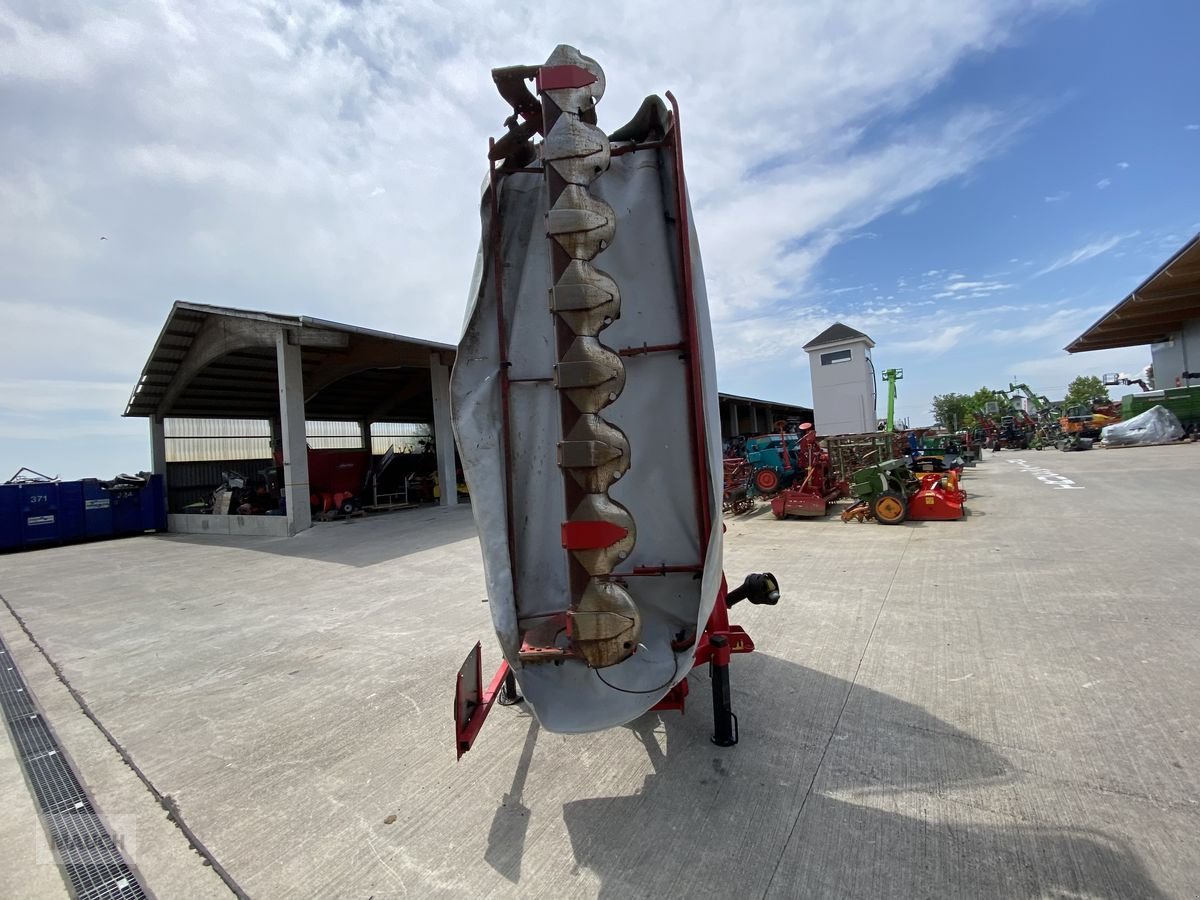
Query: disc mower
point(891, 494)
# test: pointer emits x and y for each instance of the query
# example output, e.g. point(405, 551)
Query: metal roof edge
point(162, 332)
point(780, 403)
point(1195, 239)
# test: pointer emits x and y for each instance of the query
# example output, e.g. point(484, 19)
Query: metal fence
point(199, 451)
point(227, 440)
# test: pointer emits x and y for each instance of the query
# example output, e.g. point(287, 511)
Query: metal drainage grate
point(91, 860)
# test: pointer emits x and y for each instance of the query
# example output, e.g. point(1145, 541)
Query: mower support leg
point(725, 725)
point(509, 694)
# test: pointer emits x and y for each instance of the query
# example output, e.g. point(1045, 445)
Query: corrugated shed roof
point(1159, 306)
point(350, 373)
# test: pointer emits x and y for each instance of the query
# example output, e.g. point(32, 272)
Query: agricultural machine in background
point(774, 460)
point(890, 377)
point(1080, 426)
point(891, 477)
point(736, 497)
point(811, 493)
point(1003, 425)
point(891, 494)
point(1039, 402)
point(933, 452)
point(1113, 379)
point(828, 466)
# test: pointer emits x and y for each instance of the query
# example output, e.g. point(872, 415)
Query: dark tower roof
point(835, 334)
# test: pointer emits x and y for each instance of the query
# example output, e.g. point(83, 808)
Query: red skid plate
point(472, 702)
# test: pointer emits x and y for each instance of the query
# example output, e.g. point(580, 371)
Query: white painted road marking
point(1044, 475)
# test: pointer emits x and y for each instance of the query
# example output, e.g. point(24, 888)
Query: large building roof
point(837, 333)
point(219, 362)
point(1156, 308)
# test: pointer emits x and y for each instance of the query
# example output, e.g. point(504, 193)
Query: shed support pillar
point(293, 436)
point(732, 418)
point(158, 451)
point(443, 434)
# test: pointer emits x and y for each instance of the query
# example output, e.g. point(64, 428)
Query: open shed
point(213, 362)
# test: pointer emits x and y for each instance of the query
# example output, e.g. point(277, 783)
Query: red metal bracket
point(591, 534)
point(553, 78)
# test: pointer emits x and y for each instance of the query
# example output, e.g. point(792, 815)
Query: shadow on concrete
point(367, 541)
point(506, 838)
point(770, 816)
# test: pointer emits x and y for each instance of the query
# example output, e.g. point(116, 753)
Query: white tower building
point(843, 381)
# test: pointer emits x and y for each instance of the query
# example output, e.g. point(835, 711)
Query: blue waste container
point(126, 509)
point(154, 505)
point(97, 509)
point(39, 513)
point(70, 512)
point(10, 516)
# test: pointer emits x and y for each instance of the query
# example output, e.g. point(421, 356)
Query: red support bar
point(591, 535)
point(622, 149)
point(662, 570)
point(553, 78)
point(650, 348)
point(691, 334)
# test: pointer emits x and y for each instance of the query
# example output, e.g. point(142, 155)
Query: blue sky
point(970, 183)
point(1001, 267)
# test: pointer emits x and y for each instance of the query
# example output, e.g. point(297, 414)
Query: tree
point(951, 410)
point(981, 398)
point(1084, 390)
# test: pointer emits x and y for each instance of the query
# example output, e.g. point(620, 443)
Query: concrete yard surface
point(1004, 706)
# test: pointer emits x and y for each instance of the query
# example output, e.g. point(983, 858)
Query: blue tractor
point(774, 461)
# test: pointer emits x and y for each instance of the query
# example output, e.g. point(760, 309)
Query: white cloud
point(1192, 127)
point(44, 343)
point(986, 287)
point(228, 151)
point(1050, 374)
point(958, 287)
point(1122, 165)
point(1057, 197)
point(40, 396)
point(1104, 183)
point(1086, 252)
point(1061, 325)
point(935, 343)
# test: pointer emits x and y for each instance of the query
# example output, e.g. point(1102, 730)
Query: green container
point(1184, 402)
